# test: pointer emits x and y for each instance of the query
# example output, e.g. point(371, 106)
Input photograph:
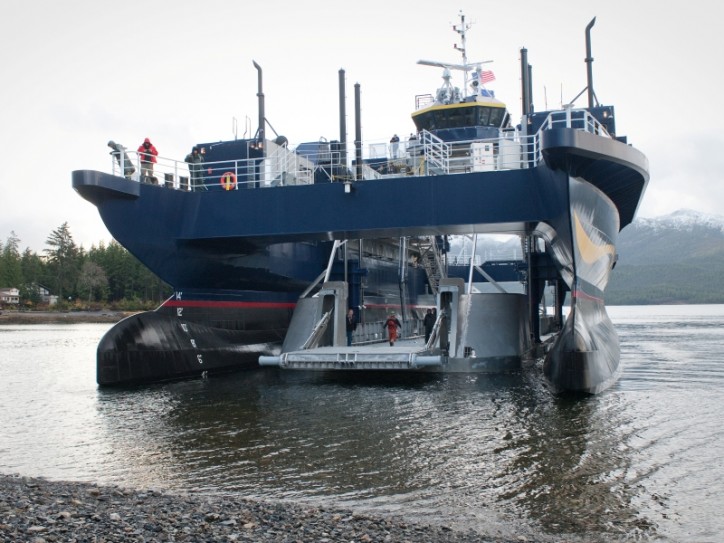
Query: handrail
point(319, 328)
point(435, 330)
point(425, 156)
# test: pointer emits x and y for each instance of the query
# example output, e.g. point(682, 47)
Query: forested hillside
point(103, 275)
point(674, 259)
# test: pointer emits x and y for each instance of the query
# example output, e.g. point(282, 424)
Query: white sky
point(78, 73)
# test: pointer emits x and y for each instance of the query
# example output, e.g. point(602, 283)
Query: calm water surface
point(496, 453)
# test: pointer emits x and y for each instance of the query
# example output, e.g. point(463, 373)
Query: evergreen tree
point(128, 279)
point(116, 262)
point(11, 273)
point(33, 270)
point(92, 279)
point(64, 259)
point(32, 266)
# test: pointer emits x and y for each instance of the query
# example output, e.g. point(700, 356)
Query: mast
point(465, 67)
point(461, 29)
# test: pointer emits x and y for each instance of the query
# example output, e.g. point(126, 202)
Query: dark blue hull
point(252, 232)
point(239, 259)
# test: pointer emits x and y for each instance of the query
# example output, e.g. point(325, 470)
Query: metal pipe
point(531, 108)
point(472, 264)
point(336, 244)
point(421, 361)
point(589, 62)
point(260, 96)
point(342, 119)
point(491, 280)
point(358, 130)
point(361, 286)
point(314, 284)
point(524, 74)
point(403, 278)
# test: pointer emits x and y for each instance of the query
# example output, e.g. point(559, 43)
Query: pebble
point(43, 511)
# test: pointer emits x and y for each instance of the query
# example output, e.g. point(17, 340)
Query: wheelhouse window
point(458, 117)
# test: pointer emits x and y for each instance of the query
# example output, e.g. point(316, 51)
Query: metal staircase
point(433, 260)
point(437, 153)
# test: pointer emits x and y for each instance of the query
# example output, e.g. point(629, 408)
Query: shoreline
point(40, 510)
point(62, 317)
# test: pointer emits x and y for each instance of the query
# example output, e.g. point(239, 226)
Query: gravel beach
point(40, 511)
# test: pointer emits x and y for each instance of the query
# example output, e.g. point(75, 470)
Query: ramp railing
point(317, 331)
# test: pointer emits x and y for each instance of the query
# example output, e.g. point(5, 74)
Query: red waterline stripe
point(227, 304)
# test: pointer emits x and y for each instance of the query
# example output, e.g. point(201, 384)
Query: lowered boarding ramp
point(473, 332)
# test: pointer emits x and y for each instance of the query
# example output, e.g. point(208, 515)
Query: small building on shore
point(9, 297)
point(45, 296)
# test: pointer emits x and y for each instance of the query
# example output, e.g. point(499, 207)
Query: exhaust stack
point(589, 62)
point(262, 115)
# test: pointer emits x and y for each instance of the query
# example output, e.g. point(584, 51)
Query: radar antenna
point(465, 67)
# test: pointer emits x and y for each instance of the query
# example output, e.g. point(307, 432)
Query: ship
point(268, 245)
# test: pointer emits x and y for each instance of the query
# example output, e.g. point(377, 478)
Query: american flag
point(486, 76)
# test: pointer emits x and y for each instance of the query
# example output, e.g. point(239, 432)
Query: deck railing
point(424, 155)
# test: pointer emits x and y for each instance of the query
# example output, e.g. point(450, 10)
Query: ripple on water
point(489, 451)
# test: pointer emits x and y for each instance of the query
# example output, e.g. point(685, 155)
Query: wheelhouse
point(463, 114)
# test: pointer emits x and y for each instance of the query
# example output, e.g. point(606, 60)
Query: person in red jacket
point(392, 324)
point(147, 152)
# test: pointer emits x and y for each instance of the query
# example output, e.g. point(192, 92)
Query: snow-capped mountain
point(672, 259)
point(683, 219)
point(678, 237)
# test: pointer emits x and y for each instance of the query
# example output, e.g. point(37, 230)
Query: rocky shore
point(41, 511)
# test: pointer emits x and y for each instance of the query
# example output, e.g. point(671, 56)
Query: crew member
point(148, 153)
point(392, 324)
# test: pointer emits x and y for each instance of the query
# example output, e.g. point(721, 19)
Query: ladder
point(432, 259)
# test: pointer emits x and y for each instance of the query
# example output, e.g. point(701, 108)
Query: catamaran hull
point(585, 356)
point(152, 347)
point(274, 241)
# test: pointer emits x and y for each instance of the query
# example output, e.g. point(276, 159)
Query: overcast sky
point(79, 73)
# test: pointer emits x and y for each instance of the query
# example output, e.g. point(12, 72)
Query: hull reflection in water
point(496, 453)
point(471, 451)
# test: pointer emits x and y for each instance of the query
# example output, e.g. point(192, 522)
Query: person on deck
point(351, 323)
point(428, 322)
point(392, 324)
point(148, 153)
point(119, 152)
point(394, 146)
point(195, 160)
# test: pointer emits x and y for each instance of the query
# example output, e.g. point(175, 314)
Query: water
point(496, 453)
